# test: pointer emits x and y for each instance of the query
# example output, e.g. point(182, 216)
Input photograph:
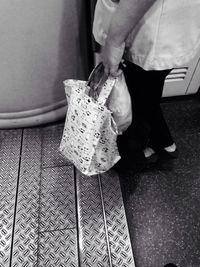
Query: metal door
point(184, 80)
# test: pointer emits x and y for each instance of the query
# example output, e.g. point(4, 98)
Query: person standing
point(151, 37)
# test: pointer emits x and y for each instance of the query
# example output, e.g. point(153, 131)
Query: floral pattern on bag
point(90, 134)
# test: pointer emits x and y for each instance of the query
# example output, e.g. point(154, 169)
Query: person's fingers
point(112, 70)
point(115, 71)
point(118, 73)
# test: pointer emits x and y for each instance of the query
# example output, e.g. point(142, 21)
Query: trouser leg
point(146, 89)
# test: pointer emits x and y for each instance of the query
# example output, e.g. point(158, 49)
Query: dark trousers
point(149, 127)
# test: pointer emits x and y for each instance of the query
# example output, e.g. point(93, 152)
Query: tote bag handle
point(100, 84)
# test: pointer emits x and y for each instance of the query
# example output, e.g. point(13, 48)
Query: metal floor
point(51, 215)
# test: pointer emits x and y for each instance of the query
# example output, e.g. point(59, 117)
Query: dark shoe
point(150, 155)
point(132, 158)
point(168, 155)
point(130, 161)
point(170, 265)
point(163, 153)
point(151, 159)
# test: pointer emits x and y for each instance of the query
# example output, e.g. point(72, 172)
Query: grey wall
point(42, 43)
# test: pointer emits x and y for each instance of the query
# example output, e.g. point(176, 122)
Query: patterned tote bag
point(90, 132)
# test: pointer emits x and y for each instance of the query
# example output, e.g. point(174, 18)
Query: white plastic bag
point(119, 102)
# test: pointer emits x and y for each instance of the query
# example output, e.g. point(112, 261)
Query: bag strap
point(100, 84)
point(106, 90)
point(96, 80)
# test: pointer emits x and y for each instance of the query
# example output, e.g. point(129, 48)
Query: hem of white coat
point(162, 62)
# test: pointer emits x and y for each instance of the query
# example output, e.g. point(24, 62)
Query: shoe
point(170, 152)
point(150, 155)
point(170, 265)
point(169, 155)
point(131, 154)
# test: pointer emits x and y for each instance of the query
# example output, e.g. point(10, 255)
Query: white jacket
point(168, 35)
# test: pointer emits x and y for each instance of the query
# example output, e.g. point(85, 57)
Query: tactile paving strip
point(26, 226)
point(10, 144)
point(51, 138)
point(57, 199)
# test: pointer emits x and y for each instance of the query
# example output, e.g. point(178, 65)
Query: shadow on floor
point(162, 202)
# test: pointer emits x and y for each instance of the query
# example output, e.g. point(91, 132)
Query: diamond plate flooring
point(50, 214)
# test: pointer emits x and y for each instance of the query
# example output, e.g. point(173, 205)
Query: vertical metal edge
point(30, 169)
point(105, 221)
point(39, 200)
point(9, 166)
point(77, 200)
point(16, 198)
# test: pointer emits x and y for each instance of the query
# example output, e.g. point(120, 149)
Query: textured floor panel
point(47, 231)
point(51, 140)
point(104, 237)
point(57, 199)
point(119, 239)
point(92, 232)
point(26, 226)
point(10, 143)
point(58, 249)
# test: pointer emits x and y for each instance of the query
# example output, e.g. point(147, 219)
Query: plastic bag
point(119, 102)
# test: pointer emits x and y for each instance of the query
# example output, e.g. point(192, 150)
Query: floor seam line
point(56, 166)
point(39, 196)
point(16, 198)
point(57, 230)
point(105, 221)
point(77, 214)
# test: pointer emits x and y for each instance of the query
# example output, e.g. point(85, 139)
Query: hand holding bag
point(90, 133)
